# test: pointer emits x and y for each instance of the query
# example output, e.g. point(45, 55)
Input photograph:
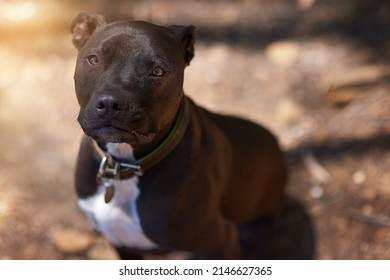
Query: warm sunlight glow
point(19, 11)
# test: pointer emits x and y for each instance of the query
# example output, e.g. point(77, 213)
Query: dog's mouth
point(113, 134)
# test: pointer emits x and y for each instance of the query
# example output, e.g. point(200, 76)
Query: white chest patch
point(118, 220)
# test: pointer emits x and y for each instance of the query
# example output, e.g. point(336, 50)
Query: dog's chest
point(118, 220)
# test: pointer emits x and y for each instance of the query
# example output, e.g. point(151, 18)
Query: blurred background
point(315, 72)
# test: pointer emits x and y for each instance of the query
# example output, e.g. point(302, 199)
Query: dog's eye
point(158, 71)
point(93, 60)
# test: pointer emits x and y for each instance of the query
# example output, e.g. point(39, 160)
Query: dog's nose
point(109, 106)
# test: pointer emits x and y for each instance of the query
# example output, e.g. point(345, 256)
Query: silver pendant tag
point(110, 191)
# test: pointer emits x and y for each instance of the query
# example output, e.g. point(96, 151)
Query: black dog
point(157, 172)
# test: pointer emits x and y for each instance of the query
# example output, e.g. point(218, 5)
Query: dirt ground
point(316, 73)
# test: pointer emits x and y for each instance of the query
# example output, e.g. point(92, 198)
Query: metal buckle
point(137, 169)
point(113, 171)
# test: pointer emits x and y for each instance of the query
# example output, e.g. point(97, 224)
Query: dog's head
point(129, 77)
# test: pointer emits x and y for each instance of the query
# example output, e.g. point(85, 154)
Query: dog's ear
point(83, 25)
point(185, 35)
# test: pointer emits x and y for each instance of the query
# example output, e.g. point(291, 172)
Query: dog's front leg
point(220, 241)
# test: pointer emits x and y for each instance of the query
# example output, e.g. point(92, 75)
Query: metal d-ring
point(107, 171)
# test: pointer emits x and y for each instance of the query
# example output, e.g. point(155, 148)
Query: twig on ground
point(377, 220)
point(316, 170)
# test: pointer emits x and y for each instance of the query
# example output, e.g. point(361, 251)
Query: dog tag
point(110, 192)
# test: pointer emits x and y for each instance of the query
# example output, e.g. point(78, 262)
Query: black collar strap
point(111, 168)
